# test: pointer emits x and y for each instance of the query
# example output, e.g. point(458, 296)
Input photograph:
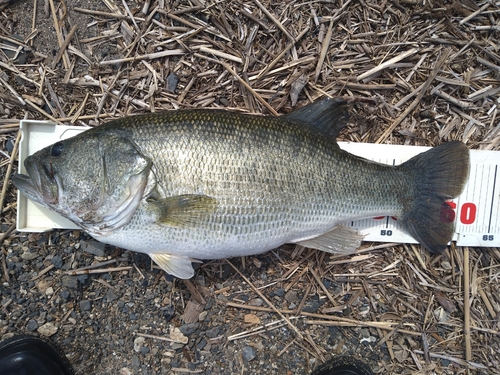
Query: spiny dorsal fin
point(328, 115)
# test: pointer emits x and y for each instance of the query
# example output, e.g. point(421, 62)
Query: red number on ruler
point(468, 213)
point(447, 213)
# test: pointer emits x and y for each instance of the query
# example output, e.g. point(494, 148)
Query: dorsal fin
point(328, 115)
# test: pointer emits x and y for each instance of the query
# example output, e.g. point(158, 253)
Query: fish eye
point(57, 149)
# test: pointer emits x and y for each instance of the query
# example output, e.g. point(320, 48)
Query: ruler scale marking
point(492, 198)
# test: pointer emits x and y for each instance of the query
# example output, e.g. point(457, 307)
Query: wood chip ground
point(431, 72)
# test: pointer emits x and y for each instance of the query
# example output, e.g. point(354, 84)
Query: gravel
point(248, 353)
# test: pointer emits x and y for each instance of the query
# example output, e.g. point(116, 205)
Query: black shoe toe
point(25, 355)
point(343, 365)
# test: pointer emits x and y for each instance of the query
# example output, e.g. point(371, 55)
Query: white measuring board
point(477, 209)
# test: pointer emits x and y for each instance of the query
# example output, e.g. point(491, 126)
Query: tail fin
point(439, 174)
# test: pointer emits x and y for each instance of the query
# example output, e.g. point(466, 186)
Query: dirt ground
point(113, 313)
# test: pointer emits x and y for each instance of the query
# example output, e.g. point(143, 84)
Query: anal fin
point(175, 265)
point(340, 240)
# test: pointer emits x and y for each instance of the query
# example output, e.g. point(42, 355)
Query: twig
point(195, 292)
point(386, 64)
point(468, 350)
point(488, 64)
point(249, 88)
point(421, 94)
point(149, 56)
point(324, 50)
point(474, 14)
point(484, 297)
point(274, 20)
point(333, 320)
point(280, 56)
point(43, 272)
point(146, 335)
point(7, 232)
point(13, 91)
point(97, 265)
point(58, 33)
point(221, 54)
point(64, 45)
point(320, 283)
point(260, 329)
point(266, 300)
point(452, 100)
point(9, 169)
point(105, 14)
point(455, 360)
point(33, 105)
point(102, 270)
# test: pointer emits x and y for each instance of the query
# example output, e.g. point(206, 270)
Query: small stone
point(172, 81)
point(311, 306)
point(28, 255)
point(85, 305)
point(177, 335)
point(252, 319)
point(248, 353)
point(83, 279)
point(144, 350)
point(9, 147)
point(138, 342)
point(110, 295)
point(446, 265)
point(365, 333)
point(42, 286)
point(32, 325)
point(291, 296)
point(202, 316)
point(213, 332)
point(64, 294)
point(445, 362)
point(70, 282)
point(135, 361)
point(189, 329)
point(125, 371)
point(168, 312)
point(201, 344)
point(93, 247)
point(57, 261)
point(364, 310)
point(50, 291)
point(256, 302)
point(279, 292)
point(48, 329)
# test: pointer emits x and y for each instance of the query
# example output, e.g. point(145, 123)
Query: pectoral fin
point(182, 210)
point(176, 265)
point(340, 240)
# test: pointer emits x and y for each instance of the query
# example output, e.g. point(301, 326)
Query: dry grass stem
point(414, 73)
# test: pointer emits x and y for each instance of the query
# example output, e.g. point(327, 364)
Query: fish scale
point(209, 184)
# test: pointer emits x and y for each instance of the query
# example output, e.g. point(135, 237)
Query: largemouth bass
point(211, 184)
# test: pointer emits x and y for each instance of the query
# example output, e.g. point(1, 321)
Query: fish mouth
point(40, 185)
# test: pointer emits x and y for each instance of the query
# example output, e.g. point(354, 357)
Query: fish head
point(96, 179)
